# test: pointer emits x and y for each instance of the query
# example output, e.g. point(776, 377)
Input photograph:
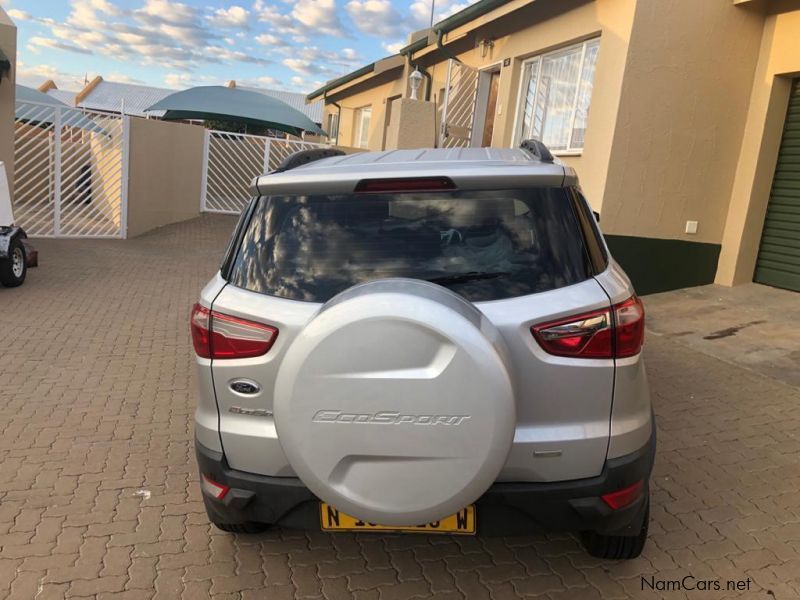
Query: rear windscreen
point(484, 245)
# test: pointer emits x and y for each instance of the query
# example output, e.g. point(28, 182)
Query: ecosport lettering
point(387, 418)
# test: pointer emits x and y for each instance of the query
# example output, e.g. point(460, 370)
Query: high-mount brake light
point(406, 184)
point(217, 335)
point(610, 333)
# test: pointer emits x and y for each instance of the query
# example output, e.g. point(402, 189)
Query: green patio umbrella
point(223, 103)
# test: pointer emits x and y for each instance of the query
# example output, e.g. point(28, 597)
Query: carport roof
point(111, 96)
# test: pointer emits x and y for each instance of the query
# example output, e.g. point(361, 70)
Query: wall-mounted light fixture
point(486, 46)
point(415, 80)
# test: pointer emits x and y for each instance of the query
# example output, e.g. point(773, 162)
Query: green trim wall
point(657, 265)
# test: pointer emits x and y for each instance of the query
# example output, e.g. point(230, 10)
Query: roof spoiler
point(303, 157)
point(537, 149)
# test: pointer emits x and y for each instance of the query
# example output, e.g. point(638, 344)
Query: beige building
point(8, 59)
point(675, 114)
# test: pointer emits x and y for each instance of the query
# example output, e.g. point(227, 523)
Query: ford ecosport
point(428, 341)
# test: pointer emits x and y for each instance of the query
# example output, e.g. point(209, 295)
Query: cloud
point(421, 10)
point(34, 75)
point(306, 67)
point(86, 40)
point(19, 15)
point(232, 17)
point(185, 80)
point(105, 6)
point(226, 54)
point(190, 36)
point(84, 14)
point(394, 47)
point(376, 17)
point(168, 11)
point(270, 14)
point(123, 78)
point(268, 39)
point(314, 61)
point(318, 16)
point(39, 42)
point(181, 39)
point(266, 81)
point(163, 33)
point(299, 82)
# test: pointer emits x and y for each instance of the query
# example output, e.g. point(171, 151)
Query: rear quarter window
point(484, 245)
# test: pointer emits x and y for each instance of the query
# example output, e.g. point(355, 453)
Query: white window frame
point(522, 94)
point(358, 117)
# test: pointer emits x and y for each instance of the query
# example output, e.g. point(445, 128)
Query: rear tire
point(14, 268)
point(618, 547)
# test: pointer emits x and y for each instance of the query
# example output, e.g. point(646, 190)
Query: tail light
point(216, 335)
point(629, 323)
point(614, 333)
point(624, 497)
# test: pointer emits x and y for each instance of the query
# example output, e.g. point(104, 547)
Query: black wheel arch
point(7, 236)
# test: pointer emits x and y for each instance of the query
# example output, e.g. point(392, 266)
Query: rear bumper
point(505, 509)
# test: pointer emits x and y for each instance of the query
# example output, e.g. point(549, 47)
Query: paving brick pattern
point(98, 485)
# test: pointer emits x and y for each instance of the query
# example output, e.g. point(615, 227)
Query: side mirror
point(596, 215)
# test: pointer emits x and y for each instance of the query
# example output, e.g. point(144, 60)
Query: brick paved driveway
point(99, 495)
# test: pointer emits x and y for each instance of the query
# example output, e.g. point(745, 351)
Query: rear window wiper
point(469, 276)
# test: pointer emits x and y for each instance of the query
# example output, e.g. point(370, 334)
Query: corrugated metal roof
point(64, 96)
point(298, 101)
point(109, 96)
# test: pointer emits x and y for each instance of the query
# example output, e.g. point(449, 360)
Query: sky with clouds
point(284, 44)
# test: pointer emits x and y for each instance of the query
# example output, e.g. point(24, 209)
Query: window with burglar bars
point(554, 97)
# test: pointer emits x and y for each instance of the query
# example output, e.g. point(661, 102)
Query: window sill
point(567, 152)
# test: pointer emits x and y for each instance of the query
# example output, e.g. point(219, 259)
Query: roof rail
point(537, 149)
point(303, 157)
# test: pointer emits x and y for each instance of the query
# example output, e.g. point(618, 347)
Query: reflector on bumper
point(212, 488)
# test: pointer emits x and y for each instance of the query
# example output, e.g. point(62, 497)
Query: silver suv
point(424, 340)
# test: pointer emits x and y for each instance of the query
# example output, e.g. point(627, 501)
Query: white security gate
point(70, 173)
point(233, 160)
point(458, 111)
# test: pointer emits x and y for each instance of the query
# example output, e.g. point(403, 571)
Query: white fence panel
point(233, 160)
point(70, 176)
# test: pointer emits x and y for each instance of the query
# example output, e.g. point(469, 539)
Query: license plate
point(461, 523)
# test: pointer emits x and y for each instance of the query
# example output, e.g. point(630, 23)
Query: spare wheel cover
point(394, 404)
